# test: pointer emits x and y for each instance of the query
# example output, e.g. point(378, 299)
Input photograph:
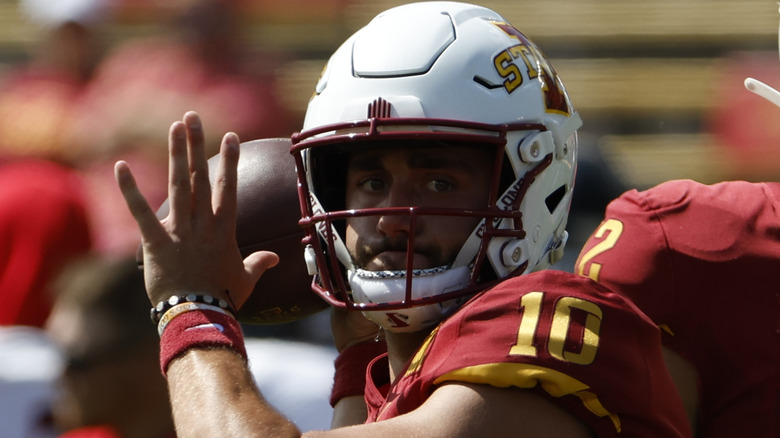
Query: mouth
point(396, 261)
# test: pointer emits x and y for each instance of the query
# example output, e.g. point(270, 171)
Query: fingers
point(139, 207)
point(198, 165)
point(194, 247)
point(179, 188)
point(189, 189)
point(226, 182)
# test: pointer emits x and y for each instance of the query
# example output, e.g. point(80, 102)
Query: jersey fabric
point(703, 261)
point(566, 337)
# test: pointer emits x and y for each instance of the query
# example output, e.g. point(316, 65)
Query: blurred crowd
point(74, 360)
point(84, 103)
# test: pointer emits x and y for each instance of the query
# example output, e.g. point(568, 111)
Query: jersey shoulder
point(552, 283)
point(564, 336)
point(730, 205)
point(644, 233)
point(549, 319)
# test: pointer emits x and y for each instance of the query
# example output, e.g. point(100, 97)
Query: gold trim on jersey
point(555, 383)
point(422, 352)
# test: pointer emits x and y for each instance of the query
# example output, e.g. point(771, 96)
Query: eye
point(440, 185)
point(373, 184)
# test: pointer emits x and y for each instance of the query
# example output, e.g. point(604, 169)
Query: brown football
point(267, 219)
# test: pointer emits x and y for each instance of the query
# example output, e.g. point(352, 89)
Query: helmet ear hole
point(329, 177)
point(555, 198)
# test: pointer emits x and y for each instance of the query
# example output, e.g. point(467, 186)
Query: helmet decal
point(379, 108)
point(537, 67)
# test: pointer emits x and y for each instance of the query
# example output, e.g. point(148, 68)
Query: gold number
point(614, 228)
point(559, 329)
point(532, 308)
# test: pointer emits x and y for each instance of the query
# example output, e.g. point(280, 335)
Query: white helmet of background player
point(449, 73)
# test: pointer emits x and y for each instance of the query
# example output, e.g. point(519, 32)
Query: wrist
point(182, 308)
point(195, 325)
point(161, 308)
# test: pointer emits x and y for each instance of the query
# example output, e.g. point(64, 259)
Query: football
point(267, 219)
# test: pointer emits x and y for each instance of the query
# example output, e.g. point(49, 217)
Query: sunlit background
point(658, 82)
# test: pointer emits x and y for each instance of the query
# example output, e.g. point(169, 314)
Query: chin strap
point(384, 287)
point(763, 90)
point(390, 286)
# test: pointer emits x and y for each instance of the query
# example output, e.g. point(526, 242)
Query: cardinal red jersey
point(703, 262)
point(566, 337)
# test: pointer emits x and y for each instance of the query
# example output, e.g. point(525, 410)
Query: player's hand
point(194, 248)
point(351, 327)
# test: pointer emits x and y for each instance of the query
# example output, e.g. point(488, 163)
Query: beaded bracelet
point(157, 311)
point(185, 307)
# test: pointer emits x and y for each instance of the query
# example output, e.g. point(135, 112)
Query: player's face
point(445, 177)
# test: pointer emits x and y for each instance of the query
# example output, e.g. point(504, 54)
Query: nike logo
point(207, 325)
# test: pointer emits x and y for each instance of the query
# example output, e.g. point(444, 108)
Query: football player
point(701, 261)
point(436, 167)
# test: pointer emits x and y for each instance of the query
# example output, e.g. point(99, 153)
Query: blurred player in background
point(199, 61)
point(40, 97)
point(110, 385)
point(446, 168)
point(702, 262)
point(43, 228)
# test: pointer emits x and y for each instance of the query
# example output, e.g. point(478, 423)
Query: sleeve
point(629, 253)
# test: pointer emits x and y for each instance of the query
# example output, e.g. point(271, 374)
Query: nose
point(398, 224)
point(395, 225)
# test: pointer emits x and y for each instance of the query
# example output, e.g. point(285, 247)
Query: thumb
point(258, 262)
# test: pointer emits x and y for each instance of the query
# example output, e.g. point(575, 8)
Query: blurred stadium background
point(650, 78)
point(657, 82)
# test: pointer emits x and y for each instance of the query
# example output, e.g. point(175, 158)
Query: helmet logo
point(537, 67)
point(397, 319)
point(379, 108)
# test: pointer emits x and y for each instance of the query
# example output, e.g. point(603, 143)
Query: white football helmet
point(441, 72)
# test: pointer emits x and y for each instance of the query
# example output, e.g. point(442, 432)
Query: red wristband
point(351, 364)
point(199, 328)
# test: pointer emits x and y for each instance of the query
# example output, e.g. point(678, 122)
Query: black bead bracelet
point(163, 306)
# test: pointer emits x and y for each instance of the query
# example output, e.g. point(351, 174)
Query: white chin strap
point(379, 287)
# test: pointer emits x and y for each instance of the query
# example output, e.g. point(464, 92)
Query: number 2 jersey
point(703, 261)
point(564, 336)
